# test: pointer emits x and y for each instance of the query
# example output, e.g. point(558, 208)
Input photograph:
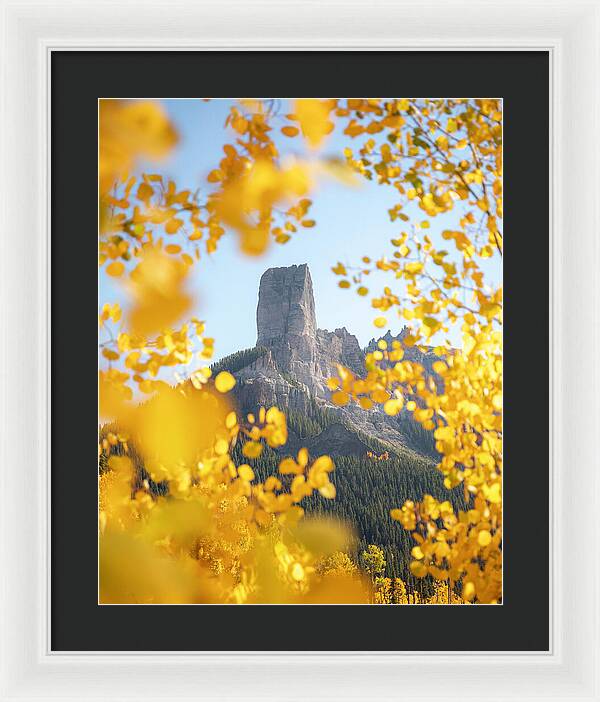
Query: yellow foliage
point(156, 287)
point(222, 535)
point(313, 116)
point(224, 382)
point(128, 131)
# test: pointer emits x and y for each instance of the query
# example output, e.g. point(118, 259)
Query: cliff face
point(286, 305)
point(287, 326)
point(299, 357)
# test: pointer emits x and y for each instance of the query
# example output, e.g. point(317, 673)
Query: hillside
point(381, 461)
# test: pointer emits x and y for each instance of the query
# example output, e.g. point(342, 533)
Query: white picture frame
point(570, 31)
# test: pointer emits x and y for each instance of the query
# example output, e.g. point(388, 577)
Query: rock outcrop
point(286, 305)
point(411, 353)
point(298, 359)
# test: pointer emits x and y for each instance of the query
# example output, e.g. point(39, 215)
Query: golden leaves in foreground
point(442, 155)
point(219, 534)
point(224, 382)
point(176, 429)
point(252, 192)
point(156, 286)
point(313, 116)
point(222, 534)
point(246, 202)
point(462, 405)
point(133, 571)
point(129, 131)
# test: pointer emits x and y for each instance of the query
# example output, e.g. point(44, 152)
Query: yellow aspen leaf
point(272, 483)
point(328, 491)
point(290, 131)
point(493, 494)
point(366, 403)
point(313, 116)
point(380, 395)
point(344, 284)
point(173, 249)
point(173, 225)
point(340, 398)
point(144, 192)
point(224, 382)
point(354, 129)
point(215, 176)
point(323, 463)
point(221, 447)
point(418, 569)
point(252, 449)
point(469, 344)
point(115, 269)
point(289, 466)
point(240, 124)
point(128, 131)
point(156, 286)
point(297, 572)
point(392, 407)
point(333, 383)
point(484, 538)
point(308, 223)
point(303, 457)
point(413, 268)
point(380, 322)
point(246, 473)
point(468, 592)
point(110, 354)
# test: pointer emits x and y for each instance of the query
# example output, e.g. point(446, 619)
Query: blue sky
point(351, 223)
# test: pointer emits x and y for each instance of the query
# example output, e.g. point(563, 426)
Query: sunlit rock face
point(286, 305)
point(287, 325)
point(297, 358)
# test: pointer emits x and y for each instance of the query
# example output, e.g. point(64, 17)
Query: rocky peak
point(340, 346)
point(296, 359)
point(388, 337)
point(286, 305)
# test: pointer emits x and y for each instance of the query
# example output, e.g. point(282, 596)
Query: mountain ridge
point(292, 360)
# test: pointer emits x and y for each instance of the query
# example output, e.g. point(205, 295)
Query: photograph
point(300, 351)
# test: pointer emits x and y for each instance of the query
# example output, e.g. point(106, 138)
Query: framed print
point(271, 445)
point(314, 346)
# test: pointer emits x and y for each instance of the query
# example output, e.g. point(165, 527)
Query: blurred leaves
point(217, 532)
point(129, 131)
